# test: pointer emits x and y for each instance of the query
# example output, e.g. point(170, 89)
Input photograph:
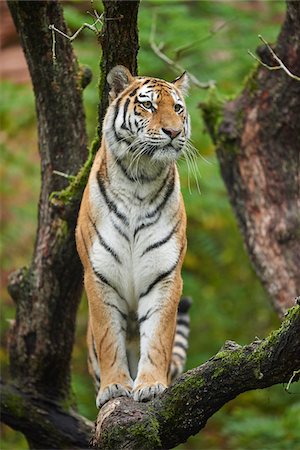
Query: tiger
point(131, 239)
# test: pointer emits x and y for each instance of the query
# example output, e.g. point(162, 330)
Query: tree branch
point(184, 408)
point(280, 66)
point(44, 421)
point(157, 49)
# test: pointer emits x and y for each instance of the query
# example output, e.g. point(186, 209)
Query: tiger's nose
point(171, 132)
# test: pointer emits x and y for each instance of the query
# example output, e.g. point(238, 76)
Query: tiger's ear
point(182, 83)
point(118, 79)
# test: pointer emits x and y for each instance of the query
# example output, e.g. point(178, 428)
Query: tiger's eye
point(177, 107)
point(147, 104)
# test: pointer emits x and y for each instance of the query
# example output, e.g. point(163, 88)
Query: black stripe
point(178, 356)
point(167, 195)
point(158, 279)
point(148, 314)
point(125, 111)
point(132, 93)
point(162, 276)
point(151, 360)
point(103, 243)
point(181, 345)
point(181, 333)
point(111, 305)
point(116, 110)
point(110, 204)
point(162, 241)
point(114, 358)
point(98, 274)
point(94, 349)
point(121, 232)
point(143, 225)
point(105, 281)
point(182, 321)
point(160, 188)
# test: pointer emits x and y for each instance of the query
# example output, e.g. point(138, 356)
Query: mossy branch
point(44, 421)
point(71, 195)
point(185, 407)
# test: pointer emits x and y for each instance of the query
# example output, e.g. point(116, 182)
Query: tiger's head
point(147, 117)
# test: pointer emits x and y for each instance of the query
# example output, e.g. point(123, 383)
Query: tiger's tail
point(180, 346)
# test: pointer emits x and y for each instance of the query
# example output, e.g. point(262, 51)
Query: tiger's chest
point(135, 238)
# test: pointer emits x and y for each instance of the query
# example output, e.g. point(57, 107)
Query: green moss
point(250, 81)
point(218, 372)
point(144, 435)
point(76, 187)
point(212, 112)
point(14, 403)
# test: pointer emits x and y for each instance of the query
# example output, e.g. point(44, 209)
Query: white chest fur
point(135, 231)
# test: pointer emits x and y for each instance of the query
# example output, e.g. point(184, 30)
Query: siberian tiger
point(131, 239)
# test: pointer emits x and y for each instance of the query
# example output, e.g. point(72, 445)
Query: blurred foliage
point(210, 39)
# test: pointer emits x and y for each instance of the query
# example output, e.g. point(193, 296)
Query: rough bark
point(45, 423)
point(48, 292)
point(258, 144)
point(184, 408)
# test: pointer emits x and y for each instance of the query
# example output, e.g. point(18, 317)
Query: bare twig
point(295, 373)
point(92, 27)
point(64, 175)
point(280, 65)
point(157, 48)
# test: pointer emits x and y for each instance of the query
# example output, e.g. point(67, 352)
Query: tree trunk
point(258, 144)
point(48, 292)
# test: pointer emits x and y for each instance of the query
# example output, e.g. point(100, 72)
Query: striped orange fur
point(131, 239)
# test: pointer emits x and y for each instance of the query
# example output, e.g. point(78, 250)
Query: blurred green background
point(210, 39)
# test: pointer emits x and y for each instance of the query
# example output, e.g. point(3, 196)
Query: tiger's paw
point(113, 390)
point(147, 391)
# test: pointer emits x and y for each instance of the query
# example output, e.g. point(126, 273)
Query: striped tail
point(182, 332)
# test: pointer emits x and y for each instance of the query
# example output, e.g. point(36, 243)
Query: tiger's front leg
point(157, 318)
point(108, 319)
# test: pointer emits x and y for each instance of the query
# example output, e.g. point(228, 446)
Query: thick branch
point(257, 139)
point(57, 428)
point(186, 406)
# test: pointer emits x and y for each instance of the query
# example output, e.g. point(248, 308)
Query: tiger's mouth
point(161, 151)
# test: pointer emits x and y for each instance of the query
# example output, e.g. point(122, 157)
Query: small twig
point(174, 66)
point(64, 175)
point(280, 66)
point(296, 372)
point(92, 27)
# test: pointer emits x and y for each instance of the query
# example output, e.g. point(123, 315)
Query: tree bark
point(45, 423)
point(184, 408)
point(48, 292)
point(257, 140)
